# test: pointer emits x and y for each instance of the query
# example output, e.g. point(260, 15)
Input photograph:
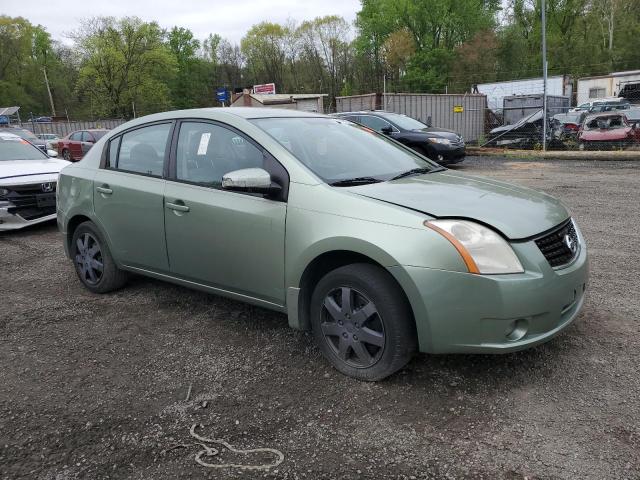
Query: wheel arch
point(73, 223)
point(321, 264)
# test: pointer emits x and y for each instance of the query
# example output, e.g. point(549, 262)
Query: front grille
point(31, 201)
point(560, 246)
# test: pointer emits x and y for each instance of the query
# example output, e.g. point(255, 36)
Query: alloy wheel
point(352, 327)
point(89, 259)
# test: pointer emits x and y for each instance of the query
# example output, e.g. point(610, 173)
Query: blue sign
point(222, 95)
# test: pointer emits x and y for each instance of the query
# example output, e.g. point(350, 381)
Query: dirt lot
point(95, 386)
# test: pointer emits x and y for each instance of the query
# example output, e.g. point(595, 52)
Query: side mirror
point(429, 123)
point(252, 180)
point(386, 130)
point(52, 153)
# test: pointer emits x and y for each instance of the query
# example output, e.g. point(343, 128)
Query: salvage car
point(28, 181)
point(374, 248)
point(567, 124)
point(75, 145)
point(605, 131)
point(439, 144)
point(526, 133)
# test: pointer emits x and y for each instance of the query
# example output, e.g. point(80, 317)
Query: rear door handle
point(178, 207)
point(104, 189)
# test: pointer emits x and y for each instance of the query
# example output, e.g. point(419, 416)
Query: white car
point(28, 179)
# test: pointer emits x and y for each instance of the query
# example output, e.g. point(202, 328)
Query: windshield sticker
point(204, 143)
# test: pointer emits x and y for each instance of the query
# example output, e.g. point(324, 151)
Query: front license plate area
point(46, 200)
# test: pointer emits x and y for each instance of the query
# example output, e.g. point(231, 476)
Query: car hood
point(21, 171)
point(437, 132)
point(517, 212)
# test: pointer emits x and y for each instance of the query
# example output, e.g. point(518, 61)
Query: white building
point(309, 102)
point(602, 86)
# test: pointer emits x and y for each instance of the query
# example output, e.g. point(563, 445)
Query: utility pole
point(544, 75)
point(46, 81)
point(384, 92)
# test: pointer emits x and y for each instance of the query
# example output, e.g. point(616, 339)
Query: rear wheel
point(362, 322)
point(92, 259)
point(66, 154)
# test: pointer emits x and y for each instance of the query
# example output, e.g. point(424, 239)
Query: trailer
point(558, 85)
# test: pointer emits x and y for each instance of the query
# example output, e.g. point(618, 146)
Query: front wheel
point(66, 154)
point(92, 259)
point(362, 322)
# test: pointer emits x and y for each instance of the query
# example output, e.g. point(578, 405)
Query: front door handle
point(104, 189)
point(178, 207)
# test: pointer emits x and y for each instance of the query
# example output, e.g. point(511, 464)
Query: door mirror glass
point(386, 130)
point(253, 180)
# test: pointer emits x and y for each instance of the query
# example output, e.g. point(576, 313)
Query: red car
point(74, 146)
point(607, 131)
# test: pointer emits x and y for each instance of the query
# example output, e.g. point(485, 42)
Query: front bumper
point(466, 313)
point(449, 153)
point(10, 221)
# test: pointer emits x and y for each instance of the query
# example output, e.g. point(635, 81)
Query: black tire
point(66, 154)
point(88, 247)
point(392, 319)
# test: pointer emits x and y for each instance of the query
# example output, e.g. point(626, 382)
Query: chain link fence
point(601, 128)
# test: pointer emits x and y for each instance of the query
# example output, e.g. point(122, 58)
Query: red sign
point(265, 89)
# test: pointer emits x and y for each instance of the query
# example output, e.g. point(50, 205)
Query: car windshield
point(337, 150)
point(16, 148)
point(606, 123)
point(404, 122)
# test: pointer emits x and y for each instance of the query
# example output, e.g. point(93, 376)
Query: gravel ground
point(95, 386)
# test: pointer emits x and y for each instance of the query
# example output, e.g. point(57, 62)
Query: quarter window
point(205, 152)
point(143, 150)
point(113, 152)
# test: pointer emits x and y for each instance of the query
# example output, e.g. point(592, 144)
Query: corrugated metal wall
point(355, 103)
point(440, 110)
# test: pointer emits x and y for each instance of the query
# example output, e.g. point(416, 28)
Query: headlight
point(482, 249)
point(443, 141)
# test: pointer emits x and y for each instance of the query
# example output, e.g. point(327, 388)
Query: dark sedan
point(439, 144)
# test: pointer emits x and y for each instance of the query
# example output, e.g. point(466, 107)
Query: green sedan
point(376, 250)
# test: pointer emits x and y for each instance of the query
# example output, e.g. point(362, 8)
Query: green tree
point(125, 65)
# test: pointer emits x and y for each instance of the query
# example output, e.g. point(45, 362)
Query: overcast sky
point(229, 18)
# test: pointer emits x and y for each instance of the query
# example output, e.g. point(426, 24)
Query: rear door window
point(374, 123)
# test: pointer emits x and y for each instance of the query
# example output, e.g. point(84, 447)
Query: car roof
point(368, 112)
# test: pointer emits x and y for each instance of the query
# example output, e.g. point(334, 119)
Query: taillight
point(571, 126)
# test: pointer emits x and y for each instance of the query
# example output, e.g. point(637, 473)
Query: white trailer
point(559, 86)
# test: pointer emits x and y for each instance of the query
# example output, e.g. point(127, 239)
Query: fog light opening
point(517, 329)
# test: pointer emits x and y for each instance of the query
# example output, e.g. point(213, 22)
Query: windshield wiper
point(416, 171)
point(354, 181)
